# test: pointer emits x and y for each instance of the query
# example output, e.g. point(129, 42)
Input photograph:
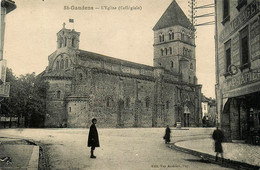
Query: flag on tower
point(71, 20)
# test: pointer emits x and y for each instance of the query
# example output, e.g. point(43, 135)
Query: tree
point(27, 98)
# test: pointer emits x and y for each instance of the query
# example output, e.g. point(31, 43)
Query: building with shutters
point(238, 68)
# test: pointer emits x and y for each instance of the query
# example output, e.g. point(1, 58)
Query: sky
point(30, 35)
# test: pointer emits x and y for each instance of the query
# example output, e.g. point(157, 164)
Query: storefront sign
point(243, 79)
point(251, 10)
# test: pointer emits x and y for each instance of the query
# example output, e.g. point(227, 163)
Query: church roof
point(54, 73)
point(101, 57)
point(173, 16)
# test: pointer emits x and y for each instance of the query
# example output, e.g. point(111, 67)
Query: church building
point(119, 93)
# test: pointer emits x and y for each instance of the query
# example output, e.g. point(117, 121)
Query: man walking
point(218, 137)
point(93, 140)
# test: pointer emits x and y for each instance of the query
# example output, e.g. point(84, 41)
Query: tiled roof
point(101, 57)
point(173, 16)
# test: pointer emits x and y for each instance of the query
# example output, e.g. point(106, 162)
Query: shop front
point(241, 114)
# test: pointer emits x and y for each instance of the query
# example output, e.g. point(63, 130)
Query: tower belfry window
point(163, 38)
point(57, 65)
point(65, 43)
point(171, 35)
point(62, 64)
point(73, 42)
point(182, 35)
point(161, 52)
point(170, 50)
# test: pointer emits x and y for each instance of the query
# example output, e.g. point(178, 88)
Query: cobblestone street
point(131, 148)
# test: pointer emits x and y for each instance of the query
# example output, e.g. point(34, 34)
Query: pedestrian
point(167, 136)
point(93, 140)
point(204, 121)
point(218, 138)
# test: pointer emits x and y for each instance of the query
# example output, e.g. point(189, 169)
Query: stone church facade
point(120, 93)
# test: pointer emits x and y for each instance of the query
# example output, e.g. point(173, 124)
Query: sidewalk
point(236, 152)
point(18, 154)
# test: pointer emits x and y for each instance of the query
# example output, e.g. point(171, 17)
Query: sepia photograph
point(130, 84)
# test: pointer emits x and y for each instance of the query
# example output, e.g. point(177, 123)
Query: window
point(161, 52)
point(62, 64)
point(225, 11)
point(182, 35)
point(58, 94)
point(65, 43)
point(170, 50)
point(147, 102)
point(171, 35)
point(244, 48)
point(69, 109)
point(57, 65)
point(171, 64)
point(191, 66)
point(73, 42)
point(166, 51)
point(66, 63)
point(228, 54)
point(161, 37)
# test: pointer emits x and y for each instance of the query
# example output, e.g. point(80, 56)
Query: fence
point(11, 122)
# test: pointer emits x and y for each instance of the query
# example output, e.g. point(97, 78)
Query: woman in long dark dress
point(167, 136)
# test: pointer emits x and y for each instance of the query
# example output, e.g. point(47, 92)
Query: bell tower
point(67, 38)
point(174, 44)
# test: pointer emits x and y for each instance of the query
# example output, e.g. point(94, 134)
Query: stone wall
point(56, 114)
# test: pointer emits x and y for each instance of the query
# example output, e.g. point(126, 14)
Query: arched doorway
point(186, 116)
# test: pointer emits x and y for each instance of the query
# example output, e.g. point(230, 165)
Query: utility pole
point(193, 13)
